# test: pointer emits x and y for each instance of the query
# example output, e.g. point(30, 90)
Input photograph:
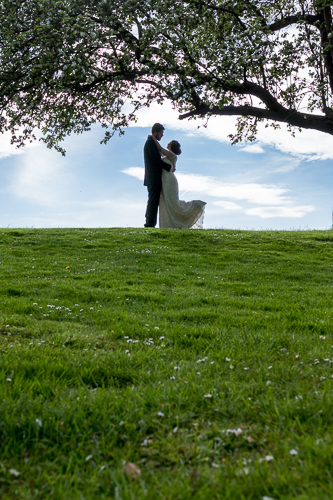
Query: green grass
point(195, 355)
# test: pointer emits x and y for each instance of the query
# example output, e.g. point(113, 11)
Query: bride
point(174, 212)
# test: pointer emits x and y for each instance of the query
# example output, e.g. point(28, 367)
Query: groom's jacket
point(153, 164)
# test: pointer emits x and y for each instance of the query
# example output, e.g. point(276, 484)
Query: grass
point(166, 364)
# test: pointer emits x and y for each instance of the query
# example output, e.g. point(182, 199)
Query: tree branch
point(289, 20)
point(292, 117)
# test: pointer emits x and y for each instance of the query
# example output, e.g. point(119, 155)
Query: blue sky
point(279, 182)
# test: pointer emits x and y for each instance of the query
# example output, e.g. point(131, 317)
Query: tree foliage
point(65, 64)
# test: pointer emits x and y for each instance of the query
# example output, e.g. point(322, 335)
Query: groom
point(153, 174)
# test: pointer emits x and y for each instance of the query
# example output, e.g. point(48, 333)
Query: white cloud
point(283, 164)
point(253, 148)
point(282, 211)
point(308, 145)
point(194, 183)
point(137, 172)
point(217, 129)
point(278, 204)
point(41, 177)
point(262, 194)
point(227, 205)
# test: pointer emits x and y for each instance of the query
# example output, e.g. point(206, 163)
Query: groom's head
point(157, 131)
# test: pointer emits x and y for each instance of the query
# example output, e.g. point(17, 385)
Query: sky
point(278, 182)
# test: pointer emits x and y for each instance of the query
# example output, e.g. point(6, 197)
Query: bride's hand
point(173, 168)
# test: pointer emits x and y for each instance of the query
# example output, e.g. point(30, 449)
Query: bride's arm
point(169, 154)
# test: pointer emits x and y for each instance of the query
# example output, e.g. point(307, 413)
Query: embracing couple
point(162, 185)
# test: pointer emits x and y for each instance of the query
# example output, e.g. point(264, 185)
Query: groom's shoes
point(147, 225)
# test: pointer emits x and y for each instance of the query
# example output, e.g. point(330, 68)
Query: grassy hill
point(166, 364)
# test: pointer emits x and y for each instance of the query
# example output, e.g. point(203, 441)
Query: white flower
point(88, 457)
point(162, 338)
point(14, 472)
point(267, 498)
point(176, 367)
point(236, 432)
point(207, 395)
point(267, 458)
point(156, 328)
point(172, 378)
point(246, 368)
point(8, 379)
point(228, 359)
point(293, 452)
point(39, 422)
point(160, 414)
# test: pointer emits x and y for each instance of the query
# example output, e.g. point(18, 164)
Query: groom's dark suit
point(153, 179)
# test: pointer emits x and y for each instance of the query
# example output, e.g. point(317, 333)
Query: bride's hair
point(175, 147)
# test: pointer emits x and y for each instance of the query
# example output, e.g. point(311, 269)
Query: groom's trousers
point(154, 192)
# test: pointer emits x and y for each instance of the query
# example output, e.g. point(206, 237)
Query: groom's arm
point(156, 157)
point(166, 166)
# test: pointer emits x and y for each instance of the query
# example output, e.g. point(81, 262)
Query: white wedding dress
point(174, 212)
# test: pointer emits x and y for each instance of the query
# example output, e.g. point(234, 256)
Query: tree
point(65, 64)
